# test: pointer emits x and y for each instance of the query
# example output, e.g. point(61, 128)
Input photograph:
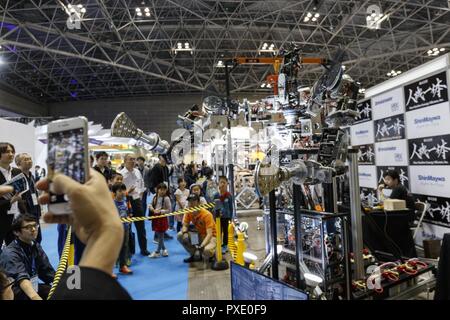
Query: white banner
point(391, 153)
point(362, 133)
point(430, 180)
point(429, 121)
point(388, 104)
point(367, 177)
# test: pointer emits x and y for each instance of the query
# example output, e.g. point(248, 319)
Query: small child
point(197, 189)
point(119, 191)
point(160, 205)
point(209, 186)
point(224, 207)
point(181, 195)
point(116, 178)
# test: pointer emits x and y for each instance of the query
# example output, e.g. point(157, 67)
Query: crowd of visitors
point(136, 189)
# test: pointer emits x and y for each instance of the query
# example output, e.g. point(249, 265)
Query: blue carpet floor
point(152, 279)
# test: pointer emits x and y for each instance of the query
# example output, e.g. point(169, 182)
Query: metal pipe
point(297, 227)
point(355, 211)
point(273, 229)
point(335, 194)
point(230, 147)
point(348, 280)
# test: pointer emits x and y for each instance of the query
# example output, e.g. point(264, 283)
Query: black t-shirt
point(401, 193)
point(107, 173)
point(95, 285)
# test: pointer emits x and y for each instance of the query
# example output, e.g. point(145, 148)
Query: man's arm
point(209, 234)
point(186, 221)
point(27, 288)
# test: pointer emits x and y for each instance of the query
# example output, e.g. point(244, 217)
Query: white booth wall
point(404, 125)
point(23, 138)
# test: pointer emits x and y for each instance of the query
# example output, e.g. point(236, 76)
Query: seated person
point(25, 261)
point(399, 191)
point(204, 224)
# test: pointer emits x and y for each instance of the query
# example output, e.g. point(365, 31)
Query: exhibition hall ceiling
point(95, 49)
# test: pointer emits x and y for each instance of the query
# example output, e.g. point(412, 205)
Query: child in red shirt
point(160, 205)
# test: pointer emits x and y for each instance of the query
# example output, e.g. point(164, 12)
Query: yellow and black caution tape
point(183, 211)
point(62, 263)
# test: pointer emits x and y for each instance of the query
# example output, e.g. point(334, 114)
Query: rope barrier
point(62, 266)
point(62, 263)
point(183, 211)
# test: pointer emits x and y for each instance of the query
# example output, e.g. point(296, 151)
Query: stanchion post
point(240, 249)
point(219, 264)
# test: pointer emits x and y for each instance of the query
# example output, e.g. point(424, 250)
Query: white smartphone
point(67, 154)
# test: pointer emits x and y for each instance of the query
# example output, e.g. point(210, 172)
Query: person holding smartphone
point(96, 223)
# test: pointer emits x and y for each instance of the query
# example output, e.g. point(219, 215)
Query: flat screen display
point(248, 284)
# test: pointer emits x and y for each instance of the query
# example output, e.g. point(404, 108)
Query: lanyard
point(33, 259)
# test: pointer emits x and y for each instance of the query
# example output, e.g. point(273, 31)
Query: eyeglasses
point(31, 227)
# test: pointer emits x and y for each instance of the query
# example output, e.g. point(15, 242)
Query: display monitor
point(248, 284)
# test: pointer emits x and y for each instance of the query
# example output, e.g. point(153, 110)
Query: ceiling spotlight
point(83, 10)
point(263, 85)
point(362, 90)
point(266, 48)
point(147, 10)
point(220, 64)
point(139, 14)
point(306, 19)
point(138, 9)
point(69, 6)
point(314, 19)
point(435, 51)
point(317, 15)
point(180, 47)
point(80, 6)
point(309, 15)
point(394, 73)
point(147, 14)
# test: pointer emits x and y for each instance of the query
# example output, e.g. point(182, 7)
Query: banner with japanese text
point(407, 129)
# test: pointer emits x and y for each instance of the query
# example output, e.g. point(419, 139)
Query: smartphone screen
point(66, 155)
